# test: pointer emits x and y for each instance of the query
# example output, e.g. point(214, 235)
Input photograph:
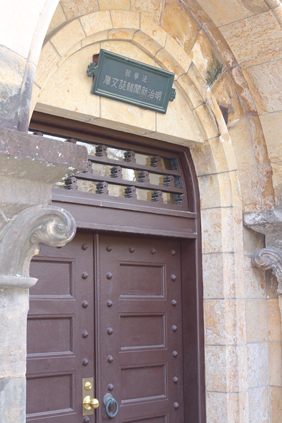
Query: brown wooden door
point(130, 341)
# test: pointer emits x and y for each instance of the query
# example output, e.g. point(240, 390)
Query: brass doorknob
point(89, 403)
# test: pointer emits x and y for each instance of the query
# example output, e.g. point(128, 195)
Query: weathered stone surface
point(13, 311)
point(13, 399)
point(11, 74)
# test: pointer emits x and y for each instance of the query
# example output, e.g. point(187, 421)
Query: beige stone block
point(67, 37)
point(254, 280)
point(224, 322)
point(70, 52)
point(216, 368)
point(221, 230)
point(114, 4)
point(96, 22)
point(226, 96)
point(273, 3)
point(203, 159)
point(259, 405)
point(206, 58)
point(236, 368)
point(116, 111)
point(243, 90)
point(179, 121)
point(223, 275)
point(256, 320)
point(217, 112)
point(69, 88)
point(210, 193)
point(249, 183)
point(197, 11)
point(274, 320)
point(173, 48)
point(265, 82)
point(178, 22)
point(211, 231)
point(199, 82)
point(242, 144)
point(121, 34)
point(253, 241)
point(125, 19)
point(48, 59)
point(153, 31)
point(276, 404)
point(214, 275)
point(95, 38)
point(275, 363)
point(223, 12)
point(169, 63)
point(58, 18)
point(189, 91)
point(277, 182)
point(151, 8)
point(257, 364)
point(219, 155)
point(258, 139)
point(219, 41)
point(266, 186)
point(217, 409)
point(228, 148)
point(75, 8)
point(272, 129)
point(207, 122)
point(128, 50)
point(254, 40)
point(146, 43)
point(235, 190)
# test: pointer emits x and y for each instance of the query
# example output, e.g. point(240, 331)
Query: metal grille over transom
point(130, 175)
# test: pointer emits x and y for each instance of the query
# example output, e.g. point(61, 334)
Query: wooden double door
point(106, 307)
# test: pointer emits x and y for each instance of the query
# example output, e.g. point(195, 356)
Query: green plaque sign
point(132, 82)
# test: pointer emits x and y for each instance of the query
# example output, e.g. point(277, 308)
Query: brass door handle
point(89, 403)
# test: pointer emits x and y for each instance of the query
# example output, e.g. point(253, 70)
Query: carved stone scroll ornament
point(20, 236)
point(270, 258)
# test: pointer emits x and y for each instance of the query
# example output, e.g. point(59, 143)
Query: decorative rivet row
point(110, 387)
point(176, 405)
point(153, 251)
point(109, 248)
point(84, 275)
point(85, 362)
point(110, 331)
point(174, 328)
point(173, 252)
point(175, 379)
point(84, 304)
point(131, 249)
point(174, 302)
point(109, 303)
point(86, 419)
point(109, 275)
point(85, 334)
point(175, 354)
point(110, 358)
point(84, 247)
point(173, 278)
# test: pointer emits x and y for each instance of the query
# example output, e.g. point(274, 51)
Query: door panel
point(139, 325)
point(57, 342)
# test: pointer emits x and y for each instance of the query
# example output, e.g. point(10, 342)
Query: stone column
point(29, 166)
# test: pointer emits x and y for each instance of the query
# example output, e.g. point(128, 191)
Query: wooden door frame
point(89, 214)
